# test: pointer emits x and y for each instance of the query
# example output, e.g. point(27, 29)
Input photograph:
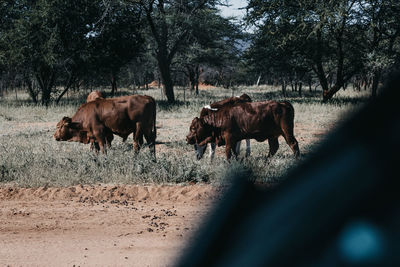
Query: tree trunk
point(328, 94)
point(31, 90)
point(196, 79)
point(300, 86)
point(165, 71)
point(284, 88)
point(15, 90)
point(191, 75)
point(113, 84)
point(69, 83)
point(45, 78)
point(375, 83)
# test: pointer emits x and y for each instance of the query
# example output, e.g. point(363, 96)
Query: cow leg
point(273, 146)
point(247, 147)
point(94, 146)
point(292, 142)
point(287, 132)
point(212, 150)
point(109, 138)
point(200, 150)
point(100, 143)
point(236, 151)
point(228, 151)
point(229, 145)
point(100, 139)
point(294, 145)
point(237, 148)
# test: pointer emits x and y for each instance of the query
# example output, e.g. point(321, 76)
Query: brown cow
point(93, 96)
point(99, 119)
point(213, 107)
point(256, 120)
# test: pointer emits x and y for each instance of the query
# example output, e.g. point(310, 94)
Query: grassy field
point(29, 156)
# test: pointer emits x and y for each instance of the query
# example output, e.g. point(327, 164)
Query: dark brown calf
point(256, 120)
point(214, 107)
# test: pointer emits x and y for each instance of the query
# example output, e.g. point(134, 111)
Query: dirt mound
point(111, 193)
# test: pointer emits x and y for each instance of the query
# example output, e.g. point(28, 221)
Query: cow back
point(252, 117)
point(120, 114)
point(228, 102)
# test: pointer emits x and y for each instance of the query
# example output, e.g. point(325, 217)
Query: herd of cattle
point(225, 122)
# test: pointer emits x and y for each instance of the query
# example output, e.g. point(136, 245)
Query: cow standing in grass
point(214, 107)
point(255, 120)
point(100, 119)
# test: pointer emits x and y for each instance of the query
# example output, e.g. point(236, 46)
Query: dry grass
point(31, 157)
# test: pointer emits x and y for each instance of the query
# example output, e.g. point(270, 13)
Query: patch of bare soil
point(100, 225)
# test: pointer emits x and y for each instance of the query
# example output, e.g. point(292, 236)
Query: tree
point(60, 42)
point(382, 32)
point(170, 25)
point(213, 44)
point(42, 39)
point(328, 36)
point(116, 40)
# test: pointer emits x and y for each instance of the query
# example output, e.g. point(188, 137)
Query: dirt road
point(100, 225)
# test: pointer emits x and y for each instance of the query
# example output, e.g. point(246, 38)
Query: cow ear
point(66, 120)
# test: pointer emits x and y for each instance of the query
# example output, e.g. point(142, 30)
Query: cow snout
point(190, 139)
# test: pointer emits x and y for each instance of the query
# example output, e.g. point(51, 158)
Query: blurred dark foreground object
point(339, 208)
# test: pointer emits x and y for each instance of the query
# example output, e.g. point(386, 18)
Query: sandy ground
point(100, 225)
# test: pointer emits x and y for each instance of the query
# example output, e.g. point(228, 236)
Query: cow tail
point(290, 111)
point(154, 132)
point(287, 121)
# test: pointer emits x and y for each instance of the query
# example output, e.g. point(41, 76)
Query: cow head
point(199, 135)
point(70, 131)
point(197, 132)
